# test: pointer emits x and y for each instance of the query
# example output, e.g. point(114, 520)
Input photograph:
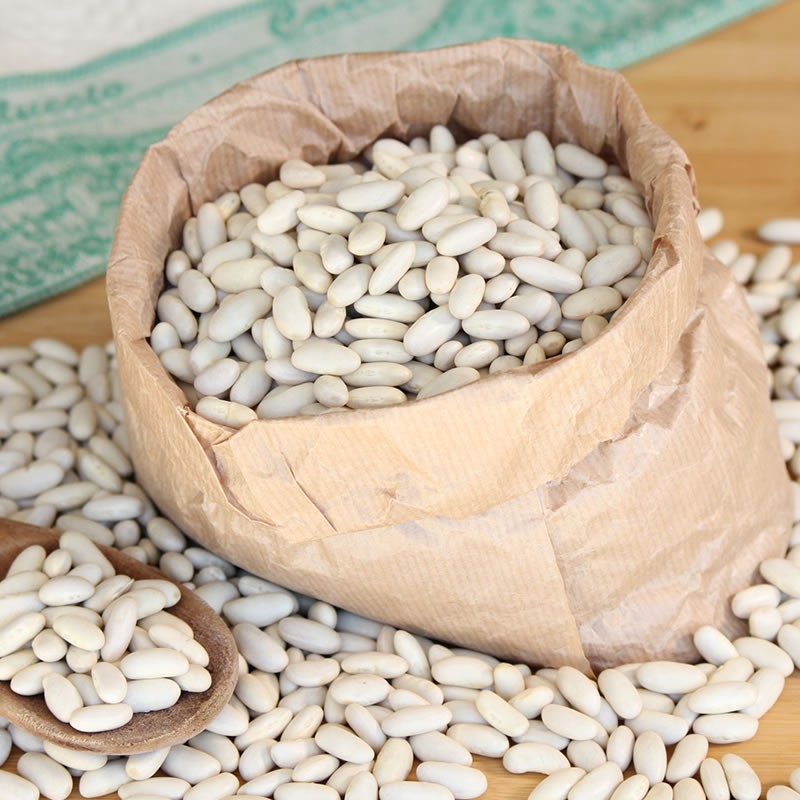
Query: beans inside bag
point(589, 510)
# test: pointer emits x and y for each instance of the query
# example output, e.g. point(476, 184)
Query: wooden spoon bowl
point(146, 731)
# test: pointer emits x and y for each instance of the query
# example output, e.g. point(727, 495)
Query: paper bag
point(591, 510)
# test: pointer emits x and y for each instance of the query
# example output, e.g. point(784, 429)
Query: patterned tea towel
point(87, 85)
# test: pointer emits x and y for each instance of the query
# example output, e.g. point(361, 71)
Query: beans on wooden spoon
point(192, 712)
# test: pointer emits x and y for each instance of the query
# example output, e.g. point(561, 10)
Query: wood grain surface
point(732, 100)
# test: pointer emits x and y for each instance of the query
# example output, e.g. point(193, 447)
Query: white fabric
point(44, 35)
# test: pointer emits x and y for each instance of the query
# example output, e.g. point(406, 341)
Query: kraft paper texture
point(591, 510)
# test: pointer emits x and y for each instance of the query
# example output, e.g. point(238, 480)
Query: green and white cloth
point(71, 139)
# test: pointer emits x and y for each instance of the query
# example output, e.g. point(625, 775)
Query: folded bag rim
point(652, 320)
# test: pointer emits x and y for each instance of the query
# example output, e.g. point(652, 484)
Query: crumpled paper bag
point(591, 510)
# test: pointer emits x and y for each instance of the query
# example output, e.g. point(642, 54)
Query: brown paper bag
point(589, 511)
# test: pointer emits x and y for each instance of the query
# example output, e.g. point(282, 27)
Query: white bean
point(479, 739)
point(225, 412)
point(713, 645)
point(722, 697)
point(534, 757)
point(579, 161)
point(782, 793)
point(650, 757)
point(466, 236)
point(154, 694)
point(713, 780)
point(495, 324)
point(463, 781)
point(436, 746)
point(670, 677)
point(309, 635)
point(545, 274)
point(764, 654)
point(430, 331)
point(157, 662)
point(569, 722)
point(61, 696)
point(726, 728)
point(32, 480)
point(323, 357)
point(599, 784)
point(709, 221)
point(742, 780)
point(15, 786)
point(669, 727)
point(237, 313)
point(769, 684)
point(687, 757)
point(782, 231)
point(190, 764)
point(106, 717)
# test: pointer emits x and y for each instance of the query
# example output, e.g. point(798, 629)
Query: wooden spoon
point(146, 731)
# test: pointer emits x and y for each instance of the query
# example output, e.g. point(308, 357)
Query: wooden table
point(732, 100)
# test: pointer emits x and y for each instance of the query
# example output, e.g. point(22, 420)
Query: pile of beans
point(361, 285)
point(330, 704)
point(99, 645)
